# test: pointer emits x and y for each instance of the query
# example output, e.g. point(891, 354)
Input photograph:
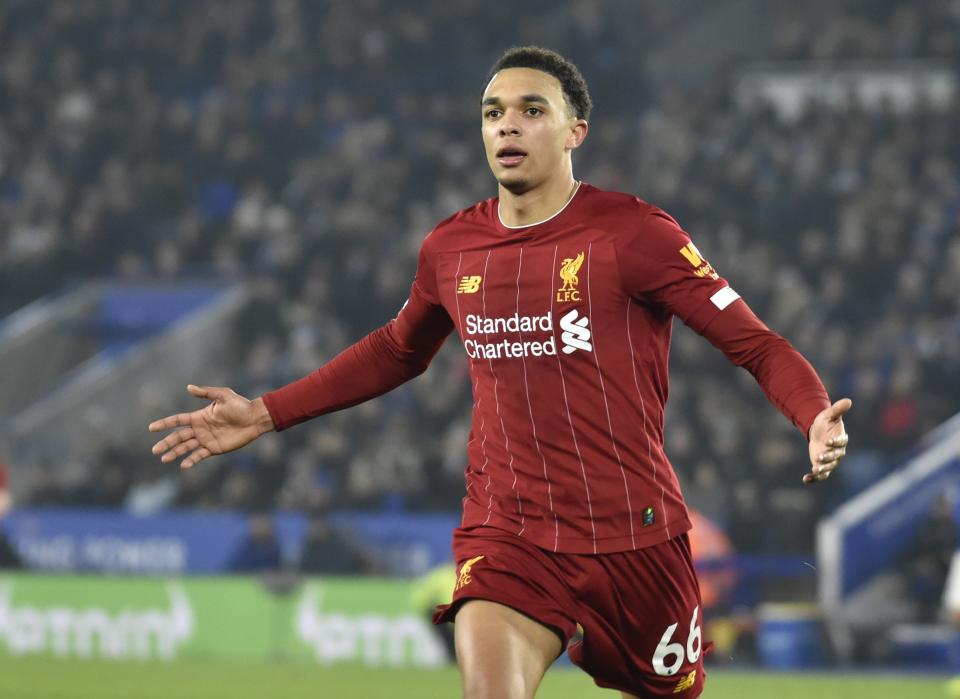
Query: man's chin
point(515, 185)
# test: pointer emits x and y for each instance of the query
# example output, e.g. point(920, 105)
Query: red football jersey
point(567, 327)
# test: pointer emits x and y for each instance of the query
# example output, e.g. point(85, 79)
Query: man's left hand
point(828, 441)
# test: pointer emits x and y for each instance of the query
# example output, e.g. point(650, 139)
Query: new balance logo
point(575, 334)
point(686, 683)
point(469, 285)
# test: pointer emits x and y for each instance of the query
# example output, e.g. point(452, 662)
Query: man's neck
point(536, 205)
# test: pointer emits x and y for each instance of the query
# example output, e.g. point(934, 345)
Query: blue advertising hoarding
point(102, 540)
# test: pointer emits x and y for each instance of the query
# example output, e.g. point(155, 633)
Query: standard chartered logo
point(575, 335)
point(93, 631)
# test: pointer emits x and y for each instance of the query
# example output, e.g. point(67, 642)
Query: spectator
point(328, 551)
point(260, 551)
point(429, 591)
point(8, 556)
point(928, 562)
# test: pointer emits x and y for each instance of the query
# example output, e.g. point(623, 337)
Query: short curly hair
point(538, 58)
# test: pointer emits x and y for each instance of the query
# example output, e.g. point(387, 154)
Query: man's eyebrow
point(525, 98)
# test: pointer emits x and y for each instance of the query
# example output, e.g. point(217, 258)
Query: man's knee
point(495, 688)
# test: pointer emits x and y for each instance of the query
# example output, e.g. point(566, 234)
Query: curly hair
point(550, 62)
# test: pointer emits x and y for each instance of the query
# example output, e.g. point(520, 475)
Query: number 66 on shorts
point(676, 652)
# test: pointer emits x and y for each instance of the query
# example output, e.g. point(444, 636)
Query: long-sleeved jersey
point(567, 326)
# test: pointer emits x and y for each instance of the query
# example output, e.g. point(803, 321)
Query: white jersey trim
point(552, 216)
point(573, 432)
point(503, 428)
point(646, 430)
point(533, 424)
point(606, 405)
point(476, 393)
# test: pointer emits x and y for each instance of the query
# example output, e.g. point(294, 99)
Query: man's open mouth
point(510, 156)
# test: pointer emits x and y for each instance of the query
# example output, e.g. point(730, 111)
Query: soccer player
point(574, 529)
point(8, 556)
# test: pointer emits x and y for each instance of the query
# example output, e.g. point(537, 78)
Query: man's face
point(528, 128)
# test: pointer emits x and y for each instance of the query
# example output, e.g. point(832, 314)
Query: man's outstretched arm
point(659, 264)
point(788, 381)
point(384, 359)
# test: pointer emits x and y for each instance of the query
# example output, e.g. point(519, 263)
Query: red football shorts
point(631, 620)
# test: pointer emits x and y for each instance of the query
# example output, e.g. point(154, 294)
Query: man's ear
point(578, 133)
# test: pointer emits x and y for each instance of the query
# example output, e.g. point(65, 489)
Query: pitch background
point(37, 678)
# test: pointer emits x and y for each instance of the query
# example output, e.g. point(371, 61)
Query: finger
point(840, 407)
point(809, 478)
point(839, 441)
point(825, 469)
point(821, 472)
point(209, 392)
point(195, 458)
point(180, 450)
point(833, 455)
point(172, 440)
point(169, 422)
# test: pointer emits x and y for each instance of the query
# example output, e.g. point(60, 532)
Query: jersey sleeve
point(787, 379)
point(425, 281)
point(660, 265)
point(378, 363)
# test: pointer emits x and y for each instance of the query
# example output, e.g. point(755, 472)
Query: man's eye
point(534, 111)
point(492, 113)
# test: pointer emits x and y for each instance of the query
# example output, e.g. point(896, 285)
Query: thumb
point(841, 407)
point(208, 392)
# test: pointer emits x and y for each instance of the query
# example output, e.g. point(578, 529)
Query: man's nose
point(509, 126)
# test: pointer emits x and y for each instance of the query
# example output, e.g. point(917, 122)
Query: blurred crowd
point(308, 147)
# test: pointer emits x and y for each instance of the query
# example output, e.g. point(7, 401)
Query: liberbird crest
point(465, 578)
point(568, 273)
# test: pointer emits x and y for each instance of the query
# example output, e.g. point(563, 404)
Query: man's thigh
point(512, 610)
point(641, 615)
point(502, 654)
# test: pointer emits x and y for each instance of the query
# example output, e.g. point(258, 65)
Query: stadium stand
point(253, 142)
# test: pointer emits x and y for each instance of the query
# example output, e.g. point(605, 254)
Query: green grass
point(37, 678)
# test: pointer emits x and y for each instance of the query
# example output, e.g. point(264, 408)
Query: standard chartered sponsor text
point(509, 348)
point(515, 323)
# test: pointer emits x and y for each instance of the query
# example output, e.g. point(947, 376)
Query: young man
point(574, 528)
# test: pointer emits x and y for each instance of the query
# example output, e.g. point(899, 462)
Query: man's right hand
point(229, 422)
